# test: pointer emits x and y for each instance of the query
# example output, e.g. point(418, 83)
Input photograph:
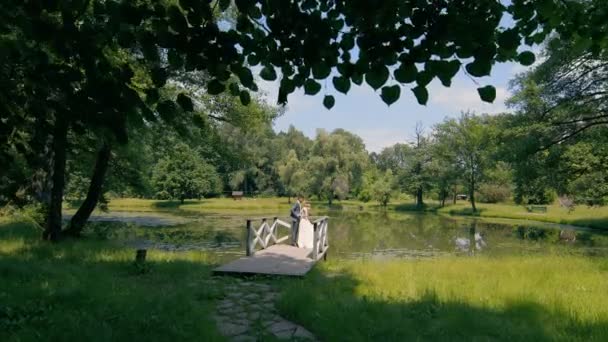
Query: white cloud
point(463, 97)
point(377, 139)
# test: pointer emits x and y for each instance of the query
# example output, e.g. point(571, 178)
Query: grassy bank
point(541, 298)
point(90, 290)
point(583, 216)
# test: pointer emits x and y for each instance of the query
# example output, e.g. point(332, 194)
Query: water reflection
point(381, 235)
point(474, 242)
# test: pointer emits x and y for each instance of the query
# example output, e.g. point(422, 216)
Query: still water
point(362, 235)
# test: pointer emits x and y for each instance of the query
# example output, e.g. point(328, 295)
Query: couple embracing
point(301, 225)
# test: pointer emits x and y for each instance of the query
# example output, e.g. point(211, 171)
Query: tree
point(183, 174)
point(337, 163)
point(470, 140)
point(383, 188)
point(292, 174)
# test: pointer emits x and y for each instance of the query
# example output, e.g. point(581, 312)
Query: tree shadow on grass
point(599, 223)
point(466, 211)
point(91, 290)
point(332, 309)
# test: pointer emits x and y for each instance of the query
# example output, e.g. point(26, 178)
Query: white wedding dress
point(305, 232)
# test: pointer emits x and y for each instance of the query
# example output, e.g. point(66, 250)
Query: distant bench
point(237, 195)
point(537, 208)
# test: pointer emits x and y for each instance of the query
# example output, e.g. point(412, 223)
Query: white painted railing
point(320, 241)
point(265, 235)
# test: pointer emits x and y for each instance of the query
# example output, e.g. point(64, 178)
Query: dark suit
point(295, 213)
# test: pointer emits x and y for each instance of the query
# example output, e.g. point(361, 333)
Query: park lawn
point(90, 290)
point(533, 298)
point(583, 216)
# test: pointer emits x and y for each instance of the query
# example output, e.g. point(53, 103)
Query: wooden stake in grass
point(140, 256)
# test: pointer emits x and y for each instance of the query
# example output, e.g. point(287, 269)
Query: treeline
point(484, 157)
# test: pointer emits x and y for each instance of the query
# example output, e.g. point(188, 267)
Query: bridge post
point(315, 242)
point(248, 247)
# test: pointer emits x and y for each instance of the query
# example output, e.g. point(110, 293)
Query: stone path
point(247, 313)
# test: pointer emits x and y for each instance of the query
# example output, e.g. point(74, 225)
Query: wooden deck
point(282, 260)
point(275, 257)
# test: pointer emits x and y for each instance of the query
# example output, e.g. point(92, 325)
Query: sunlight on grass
point(541, 297)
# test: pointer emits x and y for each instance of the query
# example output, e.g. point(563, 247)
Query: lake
point(359, 235)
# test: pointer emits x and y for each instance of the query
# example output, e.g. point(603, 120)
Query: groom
point(296, 214)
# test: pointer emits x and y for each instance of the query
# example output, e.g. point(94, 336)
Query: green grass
point(540, 298)
point(583, 216)
point(90, 290)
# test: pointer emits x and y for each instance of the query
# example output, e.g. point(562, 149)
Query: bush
point(493, 193)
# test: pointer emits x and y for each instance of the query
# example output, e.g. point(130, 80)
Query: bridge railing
point(320, 240)
point(266, 235)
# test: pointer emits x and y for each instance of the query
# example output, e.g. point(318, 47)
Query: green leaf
point(487, 93)
point(152, 96)
point(245, 97)
point(224, 4)
point(159, 77)
point(185, 102)
point(390, 94)
point(253, 59)
point(342, 84)
point(423, 78)
point(268, 73)
point(446, 70)
point(347, 42)
point(357, 78)
point(422, 95)
point(234, 89)
point(215, 87)
point(479, 68)
point(320, 71)
point(246, 77)
point(311, 87)
point(526, 58)
point(377, 76)
point(509, 39)
point(175, 59)
point(406, 73)
point(329, 101)
point(166, 110)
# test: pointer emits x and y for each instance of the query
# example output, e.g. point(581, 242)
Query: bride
point(306, 230)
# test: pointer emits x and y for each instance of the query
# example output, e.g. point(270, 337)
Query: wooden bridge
point(271, 254)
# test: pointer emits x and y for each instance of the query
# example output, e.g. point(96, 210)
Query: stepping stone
point(244, 338)
point(281, 326)
point(303, 334)
point(227, 328)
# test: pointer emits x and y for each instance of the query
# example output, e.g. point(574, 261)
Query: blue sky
point(362, 111)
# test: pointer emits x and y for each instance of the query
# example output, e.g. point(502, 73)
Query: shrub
point(493, 193)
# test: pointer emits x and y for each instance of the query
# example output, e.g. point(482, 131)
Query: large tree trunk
point(94, 193)
point(472, 191)
point(454, 194)
point(52, 230)
point(419, 200)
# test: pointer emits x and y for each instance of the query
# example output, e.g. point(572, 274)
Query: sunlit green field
point(594, 217)
point(541, 298)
